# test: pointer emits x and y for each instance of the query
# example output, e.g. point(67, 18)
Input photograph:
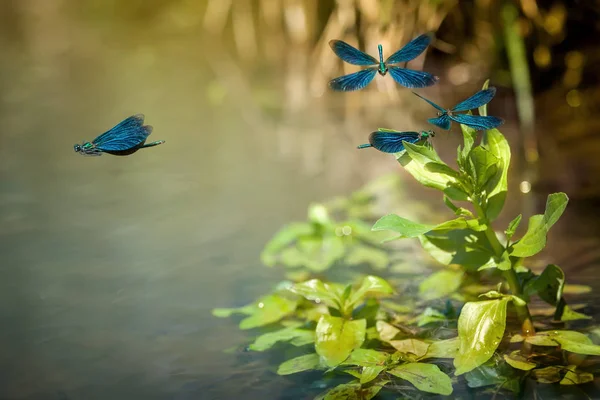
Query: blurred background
point(109, 266)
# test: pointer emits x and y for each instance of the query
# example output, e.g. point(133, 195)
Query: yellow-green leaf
point(337, 337)
point(425, 377)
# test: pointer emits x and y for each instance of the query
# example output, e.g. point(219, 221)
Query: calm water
point(110, 266)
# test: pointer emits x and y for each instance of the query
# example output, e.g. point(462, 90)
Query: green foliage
point(381, 331)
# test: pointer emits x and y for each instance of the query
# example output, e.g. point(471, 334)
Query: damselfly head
point(77, 148)
point(431, 133)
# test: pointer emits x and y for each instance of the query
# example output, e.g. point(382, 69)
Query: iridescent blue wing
point(430, 102)
point(443, 121)
point(477, 121)
point(350, 54)
point(477, 100)
point(411, 50)
point(129, 133)
point(355, 81)
point(412, 79)
point(391, 141)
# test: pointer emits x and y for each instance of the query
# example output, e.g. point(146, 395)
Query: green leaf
point(547, 375)
point(497, 187)
point(315, 290)
point(503, 263)
point(574, 377)
point(443, 348)
point(462, 247)
point(299, 364)
point(429, 316)
point(415, 160)
point(366, 358)
point(298, 337)
point(512, 227)
point(570, 315)
point(227, 312)
point(337, 337)
point(484, 166)
point(409, 229)
point(480, 329)
point(425, 377)
point(267, 310)
point(386, 331)
point(440, 284)
point(351, 391)
point(318, 254)
point(371, 285)
point(370, 373)
point(286, 236)
point(411, 346)
point(516, 360)
point(483, 108)
point(469, 136)
point(549, 285)
point(378, 259)
point(572, 341)
point(534, 239)
point(492, 373)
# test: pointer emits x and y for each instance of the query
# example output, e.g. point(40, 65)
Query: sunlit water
point(110, 265)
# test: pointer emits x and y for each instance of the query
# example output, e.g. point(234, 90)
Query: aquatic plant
point(456, 331)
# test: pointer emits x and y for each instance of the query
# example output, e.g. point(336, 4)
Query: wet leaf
point(425, 377)
point(574, 377)
point(351, 391)
point(315, 290)
point(480, 329)
point(299, 364)
point(516, 360)
point(286, 236)
point(269, 309)
point(512, 227)
point(386, 331)
point(575, 342)
point(534, 239)
point(547, 375)
point(371, 285)
point(411, 346)
point(497, 186)
point(378, 259)
point(337, 337)
point(297, 337)
point(441, 284)
point(443, 348)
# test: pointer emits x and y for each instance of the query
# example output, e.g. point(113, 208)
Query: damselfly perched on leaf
point(478, 122)
point(390, 141)
point(125, 138)
point(405, 77)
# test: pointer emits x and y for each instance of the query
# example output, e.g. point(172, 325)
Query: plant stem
point(510, 275)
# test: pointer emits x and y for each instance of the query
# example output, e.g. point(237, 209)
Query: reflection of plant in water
point(365, 330)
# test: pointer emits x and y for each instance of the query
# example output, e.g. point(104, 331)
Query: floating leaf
point(378, 259)
point(516, 360)
point(337, 337)
point(411, 346)
point(370, 373)
point(443, 348)
point(269, 309)
point(299, 364)
point(574, 377)
point(534, 239)
point(497, 187)
point(440, 284)
point(425, 377)
point(297, 337)
point(512, 227)
point(371, 285)
point(480, 329)
point(366, 358)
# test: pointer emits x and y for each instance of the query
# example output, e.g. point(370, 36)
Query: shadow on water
point(110, 265)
